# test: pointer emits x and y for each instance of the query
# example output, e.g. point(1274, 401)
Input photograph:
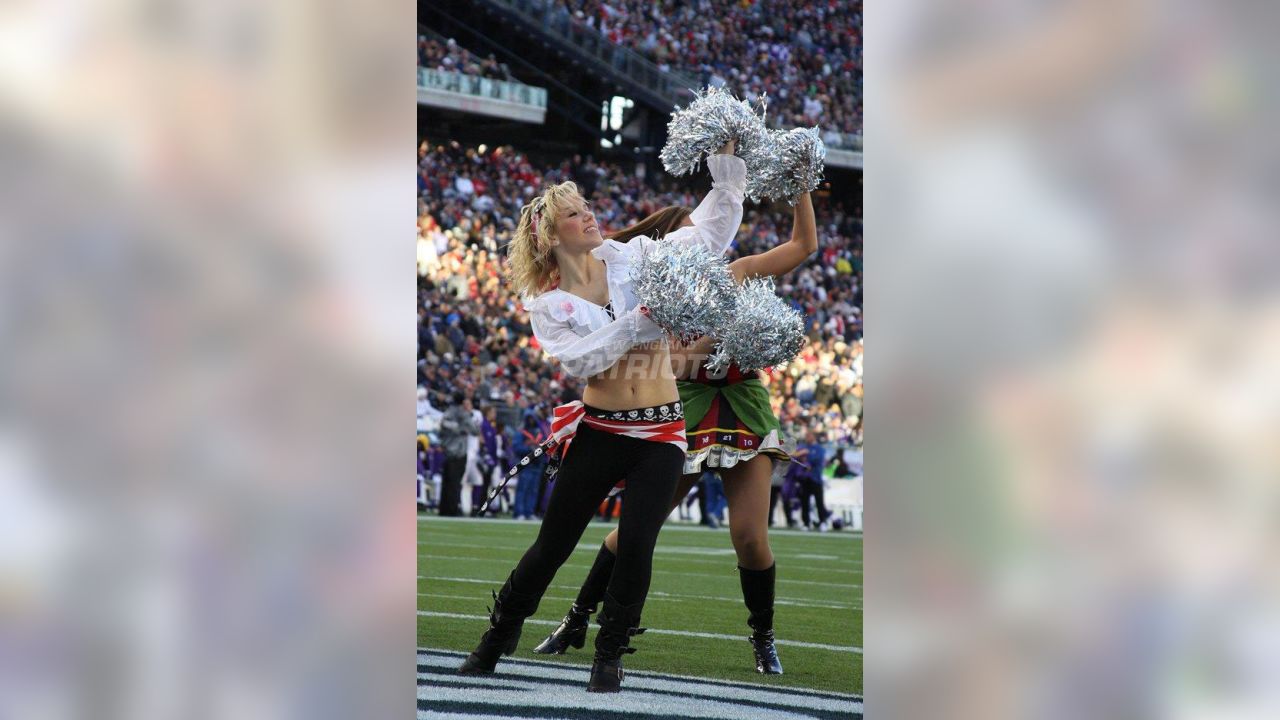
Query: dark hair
point(656, 226)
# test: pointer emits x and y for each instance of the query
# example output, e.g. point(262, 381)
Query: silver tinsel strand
point(765, 171)
point(762, 331)
point(689, 291)
point(787, 164)
point(713, 118)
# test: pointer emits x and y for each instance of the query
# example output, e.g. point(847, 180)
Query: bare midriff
point(641, 378)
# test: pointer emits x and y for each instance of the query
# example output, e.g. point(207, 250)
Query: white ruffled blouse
point(580, 334)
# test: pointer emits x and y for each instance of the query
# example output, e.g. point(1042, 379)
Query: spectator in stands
point(524, 441)
point(805, 56)
point(457, 427)
point(472, 475)
point(776, 481)
point(812, 486)
point(713, 502)
point(428, 416)
point(488, 458)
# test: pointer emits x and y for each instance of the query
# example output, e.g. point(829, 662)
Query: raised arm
point(787, 256)
point(717, 217)
point(587, 355)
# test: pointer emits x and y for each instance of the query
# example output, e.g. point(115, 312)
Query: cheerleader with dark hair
point(730, 428)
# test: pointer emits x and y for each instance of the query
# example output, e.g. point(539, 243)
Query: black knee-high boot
point(506, 618)
point(618, 624)
point(757, 592)
point(573, 629)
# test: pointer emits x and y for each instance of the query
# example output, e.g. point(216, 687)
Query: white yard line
point(677, 573)
point(659, 631)
point(678, 527)
point(720, 563)
point(658, 549)
point(676, 597)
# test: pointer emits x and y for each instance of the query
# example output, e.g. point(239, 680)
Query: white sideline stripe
point(723, 563)
point(433, 556)
point(534, 680)
point(520, 678)
point(448, 657)
point(498, 583)
point(663, 546)
point(816, 582)
point(658, 631)
point(634, 700)
point(473, 598)
point(782, 601)
point(682, 550)
point(776, 600)
point(655, 572)
point(675, 598)
point(512, 677)
point(672, 526)
point(659, 548)
point(522, 673)
point(470, 716)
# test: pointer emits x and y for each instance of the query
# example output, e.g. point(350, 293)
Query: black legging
point(594, 464)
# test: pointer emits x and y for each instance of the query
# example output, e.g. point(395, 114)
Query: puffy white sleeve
point(587, 355)
point(717, 217)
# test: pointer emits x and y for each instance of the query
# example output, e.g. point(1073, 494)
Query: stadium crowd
point(806, 57)
point(448, 55)
point(477, 357)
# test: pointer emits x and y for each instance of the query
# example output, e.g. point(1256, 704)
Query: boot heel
point(572, 632)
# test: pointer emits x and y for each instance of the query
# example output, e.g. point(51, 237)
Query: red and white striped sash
point(565, 420)
point(654, 425)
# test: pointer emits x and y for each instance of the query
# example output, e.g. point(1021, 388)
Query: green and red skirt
point(728, 421)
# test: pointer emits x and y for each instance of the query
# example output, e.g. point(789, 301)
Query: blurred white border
point(1074, 397)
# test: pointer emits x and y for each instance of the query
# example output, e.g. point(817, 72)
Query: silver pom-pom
point(689, 291)
point(763, 330)
point(786, 165)
point(754, 137)
point(713, 118)
point(766, 174)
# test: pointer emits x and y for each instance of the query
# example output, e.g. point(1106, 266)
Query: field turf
point(696, 619)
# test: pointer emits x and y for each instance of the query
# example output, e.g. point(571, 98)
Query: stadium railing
point(500, 98)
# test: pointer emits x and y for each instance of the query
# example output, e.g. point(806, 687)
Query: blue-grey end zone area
point(535, 689)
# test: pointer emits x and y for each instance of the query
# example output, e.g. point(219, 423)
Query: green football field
point(696, 619)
